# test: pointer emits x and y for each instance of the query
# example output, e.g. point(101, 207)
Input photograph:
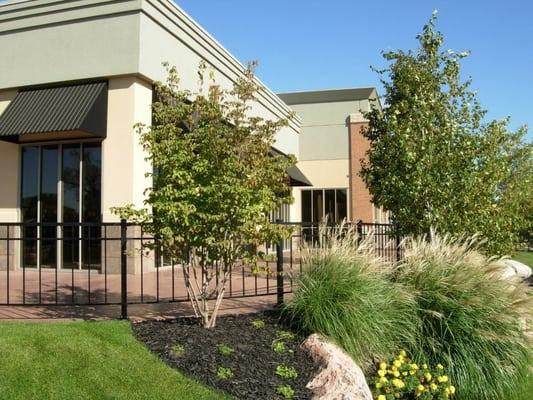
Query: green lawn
point(525, 257)
point(86, 360)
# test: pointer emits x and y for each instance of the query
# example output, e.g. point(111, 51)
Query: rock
point(513, 268)
point(340, 378)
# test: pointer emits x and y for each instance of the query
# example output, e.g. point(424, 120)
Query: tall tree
point(215, 182)
point(433, 161)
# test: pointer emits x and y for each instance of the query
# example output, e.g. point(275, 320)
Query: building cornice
point(36, 14)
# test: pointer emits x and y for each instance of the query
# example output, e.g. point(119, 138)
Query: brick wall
point(361, 207)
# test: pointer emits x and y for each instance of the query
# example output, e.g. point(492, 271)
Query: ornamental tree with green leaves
point(433, 161)
point(215, 181)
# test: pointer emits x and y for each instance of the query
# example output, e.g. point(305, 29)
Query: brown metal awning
point(78, 110)
point(297, 178)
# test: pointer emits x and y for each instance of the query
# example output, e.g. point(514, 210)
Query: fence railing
point(107, 263)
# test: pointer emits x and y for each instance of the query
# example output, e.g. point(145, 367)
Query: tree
point(433, 161)
point(215, 182)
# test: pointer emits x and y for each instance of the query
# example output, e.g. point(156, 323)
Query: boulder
point(513, 268)
point(339, 378)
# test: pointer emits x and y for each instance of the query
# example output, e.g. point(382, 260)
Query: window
point(61, 183)
point(324, 205)
point(281, 213)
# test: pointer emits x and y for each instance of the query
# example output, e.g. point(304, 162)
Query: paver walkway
point(137, 312)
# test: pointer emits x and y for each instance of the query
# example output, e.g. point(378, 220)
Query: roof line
point(329, 90)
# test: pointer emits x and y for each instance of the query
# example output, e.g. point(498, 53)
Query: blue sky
point(319, 44)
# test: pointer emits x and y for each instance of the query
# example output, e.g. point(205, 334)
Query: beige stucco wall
point(326, 173)
point(123, 163)
point(9, 170)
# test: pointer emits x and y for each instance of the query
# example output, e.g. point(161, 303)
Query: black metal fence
point(107, 263)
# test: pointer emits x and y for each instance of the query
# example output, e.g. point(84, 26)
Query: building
point(75, 76)
point(331, 148)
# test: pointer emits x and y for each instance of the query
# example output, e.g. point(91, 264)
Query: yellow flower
point(440, 366)
point(397, 363)
point(398, 383)
point(394, 368)
point(433, 387)
point(396, 374)
point(404, 373)
point(443, 378)
point(383, 379)
point(452, 389)
point(381, 372)
point(378, 385)
point(412, 372)
point(414, 367)
point(383, 365)
point(381, 397)
point(425, 366)
point(428, 376)
point(403, 353)
point(420, 388)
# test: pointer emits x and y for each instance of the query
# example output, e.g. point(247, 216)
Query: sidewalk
point(137, 312)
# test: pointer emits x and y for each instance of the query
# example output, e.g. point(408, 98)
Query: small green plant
point(177, 349)
point(285, 335)
point(225, 350)
point(279, 347)
point(224, 373)
point(286, 372)
point(258, 324)
point(286, 391)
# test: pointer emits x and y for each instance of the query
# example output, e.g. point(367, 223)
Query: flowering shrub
point(399, 378)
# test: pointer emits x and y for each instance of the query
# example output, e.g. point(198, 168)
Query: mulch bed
point(253, 362)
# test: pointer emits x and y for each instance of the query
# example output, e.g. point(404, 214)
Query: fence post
point(398, 247)
point(123, 270)
point(359, 231)
point(279, 270)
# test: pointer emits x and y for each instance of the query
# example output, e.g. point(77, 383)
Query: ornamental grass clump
point(471, 318)
point(345, 293)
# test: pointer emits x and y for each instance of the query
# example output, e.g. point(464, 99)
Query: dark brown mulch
point(253, 362)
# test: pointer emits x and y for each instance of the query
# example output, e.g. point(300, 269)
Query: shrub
point(286, 391)
point(471, 318)
point(345, 293)
point(177, 349)
point(279, 347)
point(224, 373)
point(286, 372)
point(399, 378)
point(258, 324)
point(225, 350)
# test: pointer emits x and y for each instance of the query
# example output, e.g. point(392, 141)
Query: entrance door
point(61, 206)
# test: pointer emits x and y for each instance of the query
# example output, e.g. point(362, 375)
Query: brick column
point(361, 207)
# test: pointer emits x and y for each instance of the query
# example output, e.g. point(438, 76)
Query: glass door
point(61, 184)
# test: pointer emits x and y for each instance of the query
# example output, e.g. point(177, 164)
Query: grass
point(524, 390)
point(86, 360)
point(345, 294)
point(469, 317)
point(524, 257)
